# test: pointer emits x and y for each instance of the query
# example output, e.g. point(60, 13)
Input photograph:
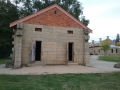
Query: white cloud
point(93, 11)
point(102, 18)
point(105, 27)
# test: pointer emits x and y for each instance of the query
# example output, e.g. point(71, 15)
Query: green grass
point(2, 60)
point(110, 58)
point(108, 81)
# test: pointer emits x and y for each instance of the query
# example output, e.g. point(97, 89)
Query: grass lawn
point(2, 60)
point(108, 81)
point(110, 58)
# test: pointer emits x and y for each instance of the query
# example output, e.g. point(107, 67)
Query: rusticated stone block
point(17, 64)
point(9, 63)
point(117, 65)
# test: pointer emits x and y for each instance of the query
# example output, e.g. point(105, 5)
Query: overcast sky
point(104, 16)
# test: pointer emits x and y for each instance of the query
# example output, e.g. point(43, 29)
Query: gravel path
point(108, 66)
point(96, 66)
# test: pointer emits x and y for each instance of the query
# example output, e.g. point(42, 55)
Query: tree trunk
point(105, 53)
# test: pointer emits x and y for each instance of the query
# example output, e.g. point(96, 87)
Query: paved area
point(96, 66)
point(108, 66)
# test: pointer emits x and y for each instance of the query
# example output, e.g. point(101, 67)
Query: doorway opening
point(38, 51)
point(70, 51)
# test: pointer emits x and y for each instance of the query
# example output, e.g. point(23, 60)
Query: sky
point(104, 16)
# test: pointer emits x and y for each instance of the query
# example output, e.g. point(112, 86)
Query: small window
point(70, 32)
point(55, 12)
point(94, 51)
point(38, 29)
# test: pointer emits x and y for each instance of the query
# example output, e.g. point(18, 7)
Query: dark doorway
point(111, 50)
point(70, 51)
point(38, 51)
point(116, 51)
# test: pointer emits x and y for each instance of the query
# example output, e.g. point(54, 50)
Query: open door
point(70, 52)
point(33, 48)
point(67, 52)
point(38, 51)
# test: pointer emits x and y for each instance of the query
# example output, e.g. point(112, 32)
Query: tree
point(105, 45)
point(74, 7)
point(8, 13)
point(118, 44)
point(117, 38)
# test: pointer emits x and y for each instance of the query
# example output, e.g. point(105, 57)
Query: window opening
point(70, 32)
point(99, 50)
point(111, 50)
point(55, 12)
point(38, 29)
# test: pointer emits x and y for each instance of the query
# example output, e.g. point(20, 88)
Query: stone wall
point(98, 51)
point(54, 42)
point(94, 48)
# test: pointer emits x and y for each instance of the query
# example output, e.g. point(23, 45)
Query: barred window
point(70, 32)
point(38, 29)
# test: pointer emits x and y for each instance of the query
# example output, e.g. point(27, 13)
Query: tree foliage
point(105, 45)
point(117, 38)
point(118, 43)
point(8, 13)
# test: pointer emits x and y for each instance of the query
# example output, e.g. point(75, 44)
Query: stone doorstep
point(72, 63)
point(37, 63)
point(40, 63)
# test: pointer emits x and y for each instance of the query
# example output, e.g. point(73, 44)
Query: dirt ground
point(95, 66)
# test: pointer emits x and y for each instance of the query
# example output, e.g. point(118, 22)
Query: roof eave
point(44, 10)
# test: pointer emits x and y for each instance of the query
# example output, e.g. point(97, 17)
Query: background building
point(95, 49)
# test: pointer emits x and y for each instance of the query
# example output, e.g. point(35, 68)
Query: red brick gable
point(48, 17)
point(53, 17)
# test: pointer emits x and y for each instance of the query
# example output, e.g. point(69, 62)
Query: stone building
point(94, 48)
point(51, 36)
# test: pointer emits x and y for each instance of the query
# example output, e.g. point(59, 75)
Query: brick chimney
point(107, 37)
point(93, 43)
point(100, 39)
